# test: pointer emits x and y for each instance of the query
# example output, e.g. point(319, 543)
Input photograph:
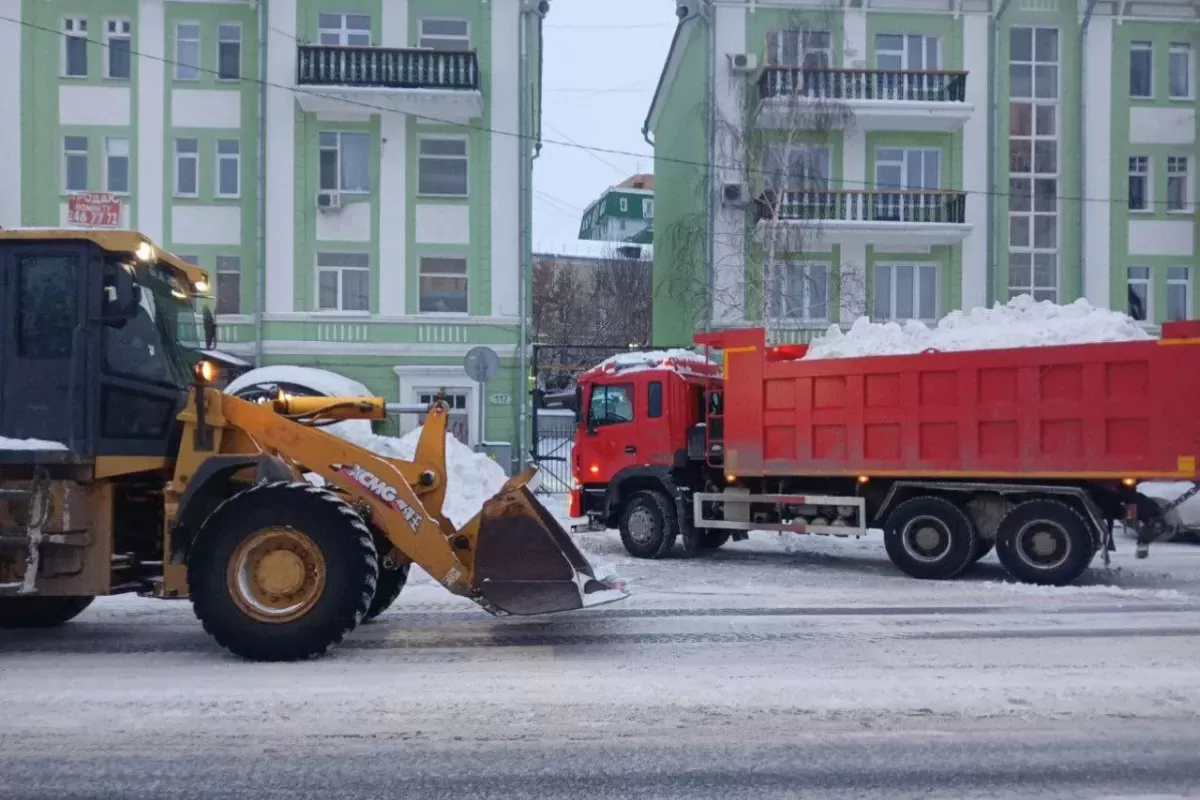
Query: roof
point(113, 240)
point(668, 72)
point(646, 179)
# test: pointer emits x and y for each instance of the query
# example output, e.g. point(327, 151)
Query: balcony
point(870, 99)
point(439, 84)
point(817, 219)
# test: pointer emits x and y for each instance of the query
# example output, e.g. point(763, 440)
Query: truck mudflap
point(525, 563)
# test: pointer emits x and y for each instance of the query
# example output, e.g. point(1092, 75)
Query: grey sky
point(602, 61)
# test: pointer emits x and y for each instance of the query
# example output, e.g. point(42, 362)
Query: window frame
point(918, 269)
point(340, 270)
point(1176, 48)
point(803, 318)
point(105, 165)
point(1187, 174)
point(1148, 192)
point(465, 157)
point(654, 400)
point(465, 275)
point(774, 56)
point(66, 157)
point(903, 52)
point(219, 158)
point(221, 267)
point(809, 180)
point(422, 36)
point(220, 42)
point(199, 42)
point(179, 157)
point(339, 152)
point(1146, 47)
point(630, 396)
point(77, 30)
point(109, 36)
point(344, 32)
point(1147, 283)
point(1188, 293)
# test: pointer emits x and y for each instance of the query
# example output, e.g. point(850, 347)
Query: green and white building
point(981, 149)
point(355, 173)
point(624, 213)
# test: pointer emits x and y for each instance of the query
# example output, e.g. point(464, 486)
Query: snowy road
point(762, 671)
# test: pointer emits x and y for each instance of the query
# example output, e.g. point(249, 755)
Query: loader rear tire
point(35, 611)
point(282, 572)
point(1044, 542)
point(929, 538)
point(393, 576)
point(649, 525)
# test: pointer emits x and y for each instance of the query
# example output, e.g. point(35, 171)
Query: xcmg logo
point(382, 490)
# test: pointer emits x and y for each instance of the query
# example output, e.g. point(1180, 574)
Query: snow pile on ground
point(471, 478)
point(682, 361)
point(1021, 322)
point(29, 444)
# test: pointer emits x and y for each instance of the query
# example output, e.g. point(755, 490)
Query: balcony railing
point(863, 84)
point(386, 68)
point(832, 205)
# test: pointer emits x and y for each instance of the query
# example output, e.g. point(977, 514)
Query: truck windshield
point(158, 342)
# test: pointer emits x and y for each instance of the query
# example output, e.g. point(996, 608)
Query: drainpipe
point(1083, 153)
point(711, 207)
point(525, 267)
point(260, 277)
point(993, 205)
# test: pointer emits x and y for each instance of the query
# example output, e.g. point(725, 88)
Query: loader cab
point(98, 343)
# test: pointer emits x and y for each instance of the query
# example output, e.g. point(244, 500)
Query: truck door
point(611, 432)
point(655, 428)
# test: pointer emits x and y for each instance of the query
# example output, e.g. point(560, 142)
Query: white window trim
point(128, 165)
point(339, 311)
point(916, 265)
point(1149, 282)
point(903, 51)
point(175, 192)
point(1191, 72)
point(338, 150)
point(444, 314)
point(416, 378)
point(199, 51)
point(799, 321)
point(108, 37)
point(801, 50)
point(343, 32)
point(241, 43)
point(86, 153)
point(218, 158)
point(421, 30)
point(62, 50)
point(465, 157)
point(1191, 271)
point(903, 162)
point(1189, 189)
point(1149, 175)
point(1135, 46)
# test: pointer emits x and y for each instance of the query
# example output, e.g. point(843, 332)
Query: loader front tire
point(36, 611)
point(648, 525)
point(282, 572)
point(393, 575)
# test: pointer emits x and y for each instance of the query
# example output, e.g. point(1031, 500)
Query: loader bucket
point(525, 563)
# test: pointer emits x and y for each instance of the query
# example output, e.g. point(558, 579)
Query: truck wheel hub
point(641, 525)
point(1043, 545)
point(925, 540)
point(276, 575)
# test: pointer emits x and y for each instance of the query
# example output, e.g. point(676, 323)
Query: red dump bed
point(1095, 411)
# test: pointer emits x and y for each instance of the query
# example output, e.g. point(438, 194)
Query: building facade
point(355, 174)
point(624, 213)
point(905, 158)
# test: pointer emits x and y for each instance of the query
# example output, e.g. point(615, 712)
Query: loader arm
point(513, 557)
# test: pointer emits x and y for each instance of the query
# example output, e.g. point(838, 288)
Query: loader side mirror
point(122, 296)
point(210, 329)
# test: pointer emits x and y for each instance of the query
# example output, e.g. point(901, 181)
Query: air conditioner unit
point(743, 62)
point(735, 194)
point(329, 201)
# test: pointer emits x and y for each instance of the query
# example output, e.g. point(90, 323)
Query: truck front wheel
point(648, 525)
point(1044, 542)
point(929, 538)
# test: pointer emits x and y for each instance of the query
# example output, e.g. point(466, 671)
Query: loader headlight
point(201, 287)
point(145, 251)
point(206, 371)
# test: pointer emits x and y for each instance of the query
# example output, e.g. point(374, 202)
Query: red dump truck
point(1035, 451)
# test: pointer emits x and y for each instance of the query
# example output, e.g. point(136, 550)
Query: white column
point(10, 130)
point(281, 155)
point(1098, 125)
point(853, 266)
point(975, 161)
point(394, 23)
point(506, 157)
point(732, 93)
point(855, 32)
point(151, 99)
point(393, 212)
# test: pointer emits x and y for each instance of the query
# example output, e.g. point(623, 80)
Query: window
point(75, 163)
point(1177, 184)
point(647, 209)
point(116, 166)
point(894, 51)
point(654, 400)
point(898, 172)
point(443, 285)
point(187, 51)
point(1180, 67)
point(445, 34)
point(74, 48)
point(345, 161)
point(1139, 183)
point(229, 51)
point(905, 291)
point(798, 292)
point(187, 167)
point(343, 282)
point(229, 166)
point(119, 32)
point(1179, 293)
point(1141, 69)
point(344, 29)
point(1137, 283)
point(624, 204)
point(442, 167)
point(229, 284)
point(794, 48)
point(798, 168)
point(47, 304)
point(610, 405)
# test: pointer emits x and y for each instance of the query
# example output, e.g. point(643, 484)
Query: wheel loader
point(123, 469)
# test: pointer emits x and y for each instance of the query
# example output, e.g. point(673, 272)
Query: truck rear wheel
point(36, 611)
point(929, 538)
point(1045, 542)
point(648, 525)
point(282, 571)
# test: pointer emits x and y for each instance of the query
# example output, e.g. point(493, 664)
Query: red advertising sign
point(94, 209)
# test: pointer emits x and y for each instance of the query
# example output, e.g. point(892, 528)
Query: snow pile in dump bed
point(1021, 322)
point(29, 444)
point(676, 359)
point(471, 478)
